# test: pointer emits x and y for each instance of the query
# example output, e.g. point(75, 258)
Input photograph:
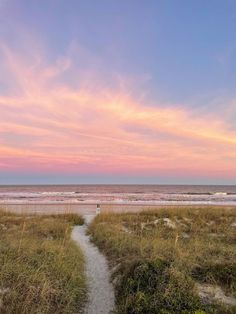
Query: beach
point(160, 249)
point(88, 208)
point(83, 199)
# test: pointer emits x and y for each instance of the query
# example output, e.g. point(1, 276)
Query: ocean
point(119, 194)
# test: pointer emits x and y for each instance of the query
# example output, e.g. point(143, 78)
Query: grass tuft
point(41, 269)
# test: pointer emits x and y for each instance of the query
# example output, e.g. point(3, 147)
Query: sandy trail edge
point(100, 291)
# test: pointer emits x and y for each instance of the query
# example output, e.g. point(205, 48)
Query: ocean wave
point(117, 194)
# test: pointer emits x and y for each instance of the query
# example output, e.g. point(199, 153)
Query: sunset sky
point(118, 91)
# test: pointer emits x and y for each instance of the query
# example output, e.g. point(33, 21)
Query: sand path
point(100, 290)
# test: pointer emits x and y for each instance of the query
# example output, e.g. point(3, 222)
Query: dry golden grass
point(162, 253)
point(41, 269)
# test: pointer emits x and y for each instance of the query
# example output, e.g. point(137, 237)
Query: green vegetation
point(41, 269)
point(162, 258)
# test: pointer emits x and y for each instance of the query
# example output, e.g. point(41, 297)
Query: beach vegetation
point(171, 260)
point(41, 268)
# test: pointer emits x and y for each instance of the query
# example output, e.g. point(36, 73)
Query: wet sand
point(90, 208)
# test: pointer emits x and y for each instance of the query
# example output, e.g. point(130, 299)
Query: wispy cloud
point(48, 124)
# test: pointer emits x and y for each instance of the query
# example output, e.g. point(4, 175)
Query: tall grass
point(41, 269)
point(159, 261)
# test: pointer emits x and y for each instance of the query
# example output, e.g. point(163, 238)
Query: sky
point(128, 91)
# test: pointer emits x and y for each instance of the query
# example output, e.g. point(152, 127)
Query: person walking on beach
point(98, 209)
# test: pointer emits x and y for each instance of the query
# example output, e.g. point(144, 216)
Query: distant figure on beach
point(98, 209)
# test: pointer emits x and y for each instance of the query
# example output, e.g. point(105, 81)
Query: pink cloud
point(91, 130)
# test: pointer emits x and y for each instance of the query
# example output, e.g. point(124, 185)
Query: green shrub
point(155, 287)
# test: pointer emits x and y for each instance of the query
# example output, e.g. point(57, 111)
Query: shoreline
point(90, 208)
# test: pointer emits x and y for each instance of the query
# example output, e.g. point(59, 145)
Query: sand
point(100, 290)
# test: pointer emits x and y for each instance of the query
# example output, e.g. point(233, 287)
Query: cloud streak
point(49, 126)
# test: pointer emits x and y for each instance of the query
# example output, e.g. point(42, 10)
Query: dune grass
point(41, 269)
point(161, 257)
